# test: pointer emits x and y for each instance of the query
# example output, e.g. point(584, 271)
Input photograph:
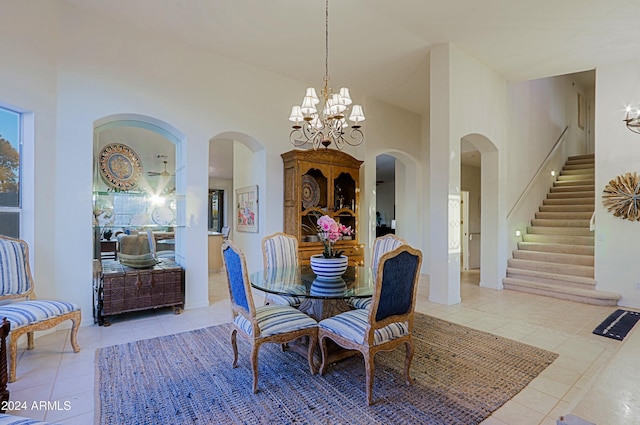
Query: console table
point(120, 289)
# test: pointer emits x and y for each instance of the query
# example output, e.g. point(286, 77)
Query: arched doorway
point(491, 228)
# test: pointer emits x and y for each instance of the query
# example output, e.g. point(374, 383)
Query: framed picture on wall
point(247, 209)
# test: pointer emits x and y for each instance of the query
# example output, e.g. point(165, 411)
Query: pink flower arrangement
point(329, 231)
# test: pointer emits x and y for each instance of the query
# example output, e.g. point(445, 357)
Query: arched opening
point(137, 181)
point(396, 179)
point(489, 222)
point(236, 160)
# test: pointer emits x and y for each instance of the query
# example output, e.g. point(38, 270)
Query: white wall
point(617, 152)
point(397, 132)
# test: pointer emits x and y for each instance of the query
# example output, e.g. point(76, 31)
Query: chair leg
point(369, 366)
point(234, 334)
point(255, 348)
point(13, 355)
point(407, 361)
point(30, 343)
point(75, 320)
point(323, 350)
point(312, 343)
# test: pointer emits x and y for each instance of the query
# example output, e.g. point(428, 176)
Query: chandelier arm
point(294, 137)
point(356, 137)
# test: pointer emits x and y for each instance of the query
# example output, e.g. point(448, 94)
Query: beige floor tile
point(514, 413)
point(536, 400)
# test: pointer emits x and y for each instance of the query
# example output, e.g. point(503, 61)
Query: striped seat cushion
point(24, 313)
point(283, 300)
point(363, 303)
point(352, 324)
point(276, 319)
point(6, 419)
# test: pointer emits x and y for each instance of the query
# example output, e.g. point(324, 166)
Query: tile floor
point(594, 377)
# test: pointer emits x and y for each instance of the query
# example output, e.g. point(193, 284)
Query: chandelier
point(325, 124)
point(632, 119)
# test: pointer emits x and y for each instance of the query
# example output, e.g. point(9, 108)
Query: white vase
point(329, 268)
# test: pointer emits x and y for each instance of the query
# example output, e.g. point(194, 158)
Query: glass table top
point(356, 282)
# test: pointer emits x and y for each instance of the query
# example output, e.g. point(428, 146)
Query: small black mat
point(618, 324)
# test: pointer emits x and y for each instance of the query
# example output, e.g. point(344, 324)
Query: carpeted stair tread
point(577, 188)
point(557, 248)
point(579, 166)
point(560, 222)
point(577, 171)
point(551, 230)
point(560, 215)
point(586, 296)
point(567, 208)
point(581, 157)
point(554, 257)
point(577, 177)
point(566, 182)
point(568, 201)
point(550, 267)
point(552, 278)
point(576, 194)
point(559, 239)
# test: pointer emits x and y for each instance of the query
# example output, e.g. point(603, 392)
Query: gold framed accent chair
point(259, 325)
point(26, 313)
point(388, 323)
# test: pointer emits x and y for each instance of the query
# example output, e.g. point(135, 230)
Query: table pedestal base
point(320, 309)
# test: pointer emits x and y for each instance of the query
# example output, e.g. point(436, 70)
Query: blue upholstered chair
point(25, 312)
point(388, 323)
point(381, 245)
point(259, 325)
point(280, 250)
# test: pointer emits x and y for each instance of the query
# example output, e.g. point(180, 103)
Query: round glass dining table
point(321, 298)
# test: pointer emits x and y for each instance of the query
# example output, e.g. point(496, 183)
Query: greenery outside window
point(10, 172)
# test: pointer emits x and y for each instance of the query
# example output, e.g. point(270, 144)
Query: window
point(10, 172)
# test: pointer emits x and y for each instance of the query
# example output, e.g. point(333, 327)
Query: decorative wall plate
point(310, 192)
point(120, 166)
point(621, 197)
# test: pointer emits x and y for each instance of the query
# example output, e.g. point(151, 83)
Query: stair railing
point(542, 166)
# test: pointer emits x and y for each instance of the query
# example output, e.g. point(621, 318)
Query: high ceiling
point(380, 48)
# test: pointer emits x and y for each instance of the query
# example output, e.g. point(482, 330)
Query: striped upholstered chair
point(25, 312)
point(260, 325)
point(388, 323)
point(381, 245)
point(280, 250)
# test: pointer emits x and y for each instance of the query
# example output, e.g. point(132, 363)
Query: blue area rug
point(618, 324)
point(460, 375)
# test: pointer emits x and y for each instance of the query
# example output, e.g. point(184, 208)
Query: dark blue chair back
point(399, 277)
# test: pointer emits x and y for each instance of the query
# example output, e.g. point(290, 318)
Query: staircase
point(555, 257)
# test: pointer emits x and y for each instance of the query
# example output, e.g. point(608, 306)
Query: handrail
point(535, 176)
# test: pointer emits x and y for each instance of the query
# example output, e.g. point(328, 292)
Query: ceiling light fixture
point(632, 119)
point(328, 125)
